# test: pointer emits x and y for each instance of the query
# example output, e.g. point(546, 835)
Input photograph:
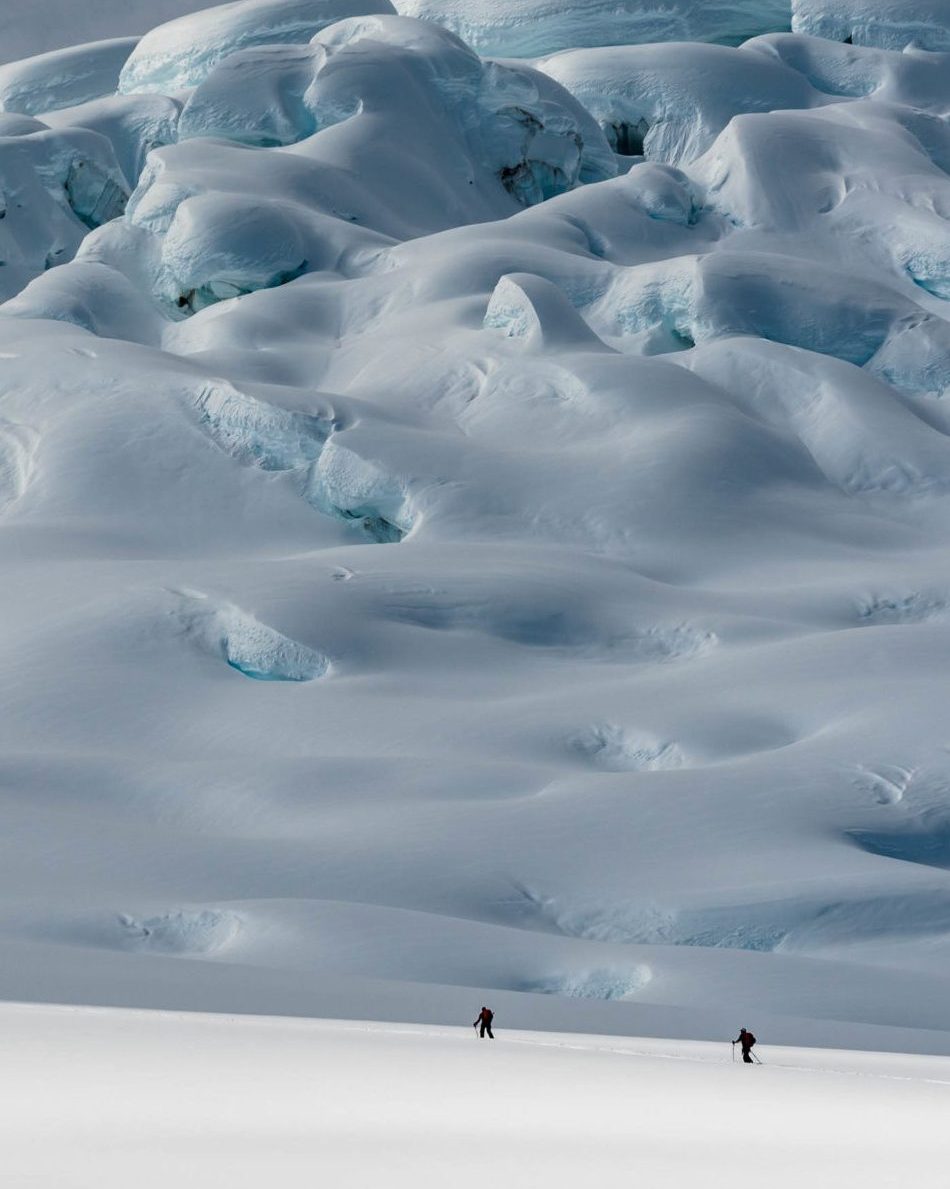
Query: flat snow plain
point(476, 528)
point(113, 1098)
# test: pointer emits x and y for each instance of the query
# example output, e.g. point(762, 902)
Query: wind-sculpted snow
point(482, 524)
point(537, 27)
point(91, 296)
point(219, 225)
point(17, 449)
point(670, 102)
point(915, 78)
point(182, 53)
point(892, 24)
point(63, 78)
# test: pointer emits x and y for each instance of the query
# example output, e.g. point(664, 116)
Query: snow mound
point(536, 27)
point(662, 308)
point(670, 102)
point(221, 218)
point(63, 78)
point(916, 79)
point(91, 296)
point(185, 932)
point(533, 309)
point(844, 418)
point(206, 242)
point(263, 97)
point(219, 247)
point(253, 648)
point(182, 53)
point(530, 132)
point(891, 24)
point(615, 749)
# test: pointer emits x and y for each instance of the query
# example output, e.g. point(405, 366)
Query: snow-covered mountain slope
point(478, 527)
point(155, 1099)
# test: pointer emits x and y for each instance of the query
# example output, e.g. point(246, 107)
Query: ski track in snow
point(473, 491)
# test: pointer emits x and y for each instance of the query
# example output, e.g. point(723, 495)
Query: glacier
point(473, 493)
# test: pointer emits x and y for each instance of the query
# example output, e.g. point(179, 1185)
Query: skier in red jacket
point(747, 1040)
point(485, 1017)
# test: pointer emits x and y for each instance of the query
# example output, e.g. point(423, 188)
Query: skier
point(747, 1040)
point(485, 1017)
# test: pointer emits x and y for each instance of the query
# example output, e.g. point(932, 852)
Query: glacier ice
point(182, 52)
point(257, 433)
point(218, 247)
point(670, 102)
point(63, 78)
point(133, 124)
point(891, 24)
point(537, 27)
point(185, 932)
point(57, 185)
point(593, 984)
point(252, 648)
point(640, 353)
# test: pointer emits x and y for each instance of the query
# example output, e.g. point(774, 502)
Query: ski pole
point(755, 1055)
point(733, 1052)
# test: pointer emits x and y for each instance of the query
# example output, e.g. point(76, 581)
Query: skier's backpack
point(748, 1041)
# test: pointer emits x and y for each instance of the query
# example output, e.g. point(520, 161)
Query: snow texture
point(473, 498)
point(534, 27)
point(164, 1098)
point(183, 52)
point(63, 78)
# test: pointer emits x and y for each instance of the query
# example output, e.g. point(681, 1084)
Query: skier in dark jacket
point(747, 1040)
point(485, 1017)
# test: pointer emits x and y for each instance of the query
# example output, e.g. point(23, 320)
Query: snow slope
point(477, 527)
point(165, 1099)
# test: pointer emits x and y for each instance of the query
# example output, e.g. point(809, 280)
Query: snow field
point(162, 1098)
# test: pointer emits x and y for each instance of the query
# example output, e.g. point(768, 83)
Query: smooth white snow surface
point(476, 527)
point(113, 1098)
